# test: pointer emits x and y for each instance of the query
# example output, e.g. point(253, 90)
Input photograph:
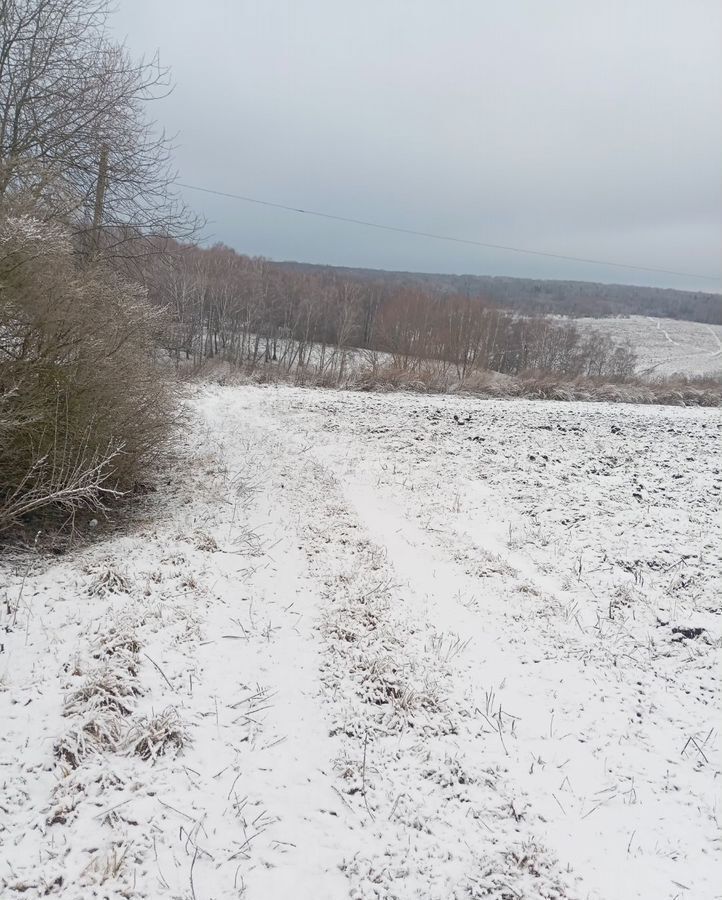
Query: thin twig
point(160, 670)
point(195, 856)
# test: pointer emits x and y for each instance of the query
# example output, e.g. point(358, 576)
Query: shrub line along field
point(379, 646)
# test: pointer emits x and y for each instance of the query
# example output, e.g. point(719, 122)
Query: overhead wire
point(441, 237)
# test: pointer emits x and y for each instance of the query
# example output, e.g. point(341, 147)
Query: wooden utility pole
point(100, 195)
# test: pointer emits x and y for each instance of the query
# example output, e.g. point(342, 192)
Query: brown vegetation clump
point(83, 412)
point(430, 378)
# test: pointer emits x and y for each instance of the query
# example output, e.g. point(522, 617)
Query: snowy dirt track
point(379, 646)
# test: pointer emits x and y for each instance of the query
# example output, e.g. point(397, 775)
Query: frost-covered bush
point(83, 411)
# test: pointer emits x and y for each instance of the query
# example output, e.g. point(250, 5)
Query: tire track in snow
point(438, 817)
point(601, 707)
point(219, 625)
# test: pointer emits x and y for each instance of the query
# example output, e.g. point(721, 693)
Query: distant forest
point(252, 311)
point(565, 298)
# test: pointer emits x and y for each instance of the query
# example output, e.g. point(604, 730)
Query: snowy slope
point(665, 346)
point(379, 646)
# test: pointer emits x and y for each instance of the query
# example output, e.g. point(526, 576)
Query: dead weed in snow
point(107, 578)
point(94, 734)
point(110, 689)
point(154, 736)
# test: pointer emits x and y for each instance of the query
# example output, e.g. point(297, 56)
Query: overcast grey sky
point(582, 127)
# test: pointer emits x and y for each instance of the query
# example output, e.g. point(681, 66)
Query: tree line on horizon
point(542, 296)
point(250, 311)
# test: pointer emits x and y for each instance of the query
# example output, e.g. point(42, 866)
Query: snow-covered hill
point(665, 346)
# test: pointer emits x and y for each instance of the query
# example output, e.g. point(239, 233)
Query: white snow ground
point(379, 646)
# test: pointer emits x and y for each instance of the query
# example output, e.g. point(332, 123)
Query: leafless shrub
point(75, 135)
point(83, 411)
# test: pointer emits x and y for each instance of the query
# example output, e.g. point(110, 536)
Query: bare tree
point(74, 131)
point(250, 311)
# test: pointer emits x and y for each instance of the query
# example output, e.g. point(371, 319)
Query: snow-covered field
point(379, 646)
point(665, 346)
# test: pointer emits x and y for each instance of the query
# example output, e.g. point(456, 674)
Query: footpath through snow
point(379, 646)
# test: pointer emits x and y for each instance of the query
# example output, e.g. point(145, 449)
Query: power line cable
point(441, 237)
